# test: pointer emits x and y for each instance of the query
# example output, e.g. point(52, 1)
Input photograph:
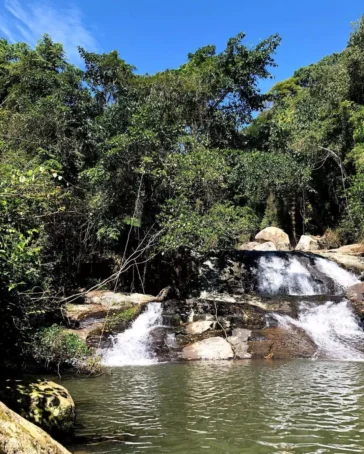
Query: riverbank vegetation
point(102, 168)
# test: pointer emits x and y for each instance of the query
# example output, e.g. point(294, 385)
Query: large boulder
point(308, 243)
point(214, 348)
point(19, 436)
point(42, 402)
point(276, 236)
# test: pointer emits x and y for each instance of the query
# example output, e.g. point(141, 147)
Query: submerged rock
point(214, 348)
point(276, 236)
point(19, 436)
point(43, 402)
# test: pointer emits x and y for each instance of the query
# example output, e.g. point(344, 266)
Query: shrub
point(57, 347)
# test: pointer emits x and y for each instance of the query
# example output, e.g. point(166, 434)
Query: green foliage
point(96, 162)
point(55, 346)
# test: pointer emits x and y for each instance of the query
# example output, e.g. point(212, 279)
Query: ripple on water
point(248, 407)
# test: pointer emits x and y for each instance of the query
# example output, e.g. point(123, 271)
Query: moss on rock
point(18, 436)
point(43, 402)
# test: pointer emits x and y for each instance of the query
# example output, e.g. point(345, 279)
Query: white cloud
point(28, 21)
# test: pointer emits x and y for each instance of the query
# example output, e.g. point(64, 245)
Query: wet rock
point(44, 403)
point(214, 348)
point(276, 236)
point(308, 243)
point(281, 343)
point(19, 436)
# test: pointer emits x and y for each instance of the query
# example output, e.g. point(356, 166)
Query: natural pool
point(254, 407)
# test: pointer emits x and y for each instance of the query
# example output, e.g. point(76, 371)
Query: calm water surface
point(227, 407)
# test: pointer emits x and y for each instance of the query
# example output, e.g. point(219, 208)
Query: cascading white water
point(132, 346)
point(333, 328)
point(342, 278)
point(278, 275)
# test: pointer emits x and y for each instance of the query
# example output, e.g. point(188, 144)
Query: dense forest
point(102, 168)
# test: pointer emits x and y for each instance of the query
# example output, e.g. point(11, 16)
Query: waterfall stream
point(331, 326)
point(132, 346)
point(277, 275)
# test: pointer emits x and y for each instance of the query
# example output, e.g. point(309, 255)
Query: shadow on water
point(231, 407)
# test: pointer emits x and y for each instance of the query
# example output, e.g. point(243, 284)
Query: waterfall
point(333, 328)
point(132, 346)
point(277, 275)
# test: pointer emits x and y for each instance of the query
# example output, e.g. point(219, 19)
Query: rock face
point(18, 436)
point(214, 348)
point(276, 236)
point(43, 402)
point(308, 243)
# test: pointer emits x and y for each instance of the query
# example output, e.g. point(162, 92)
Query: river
point(255, 407)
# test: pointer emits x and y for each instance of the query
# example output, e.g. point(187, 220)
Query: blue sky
point(158, 34)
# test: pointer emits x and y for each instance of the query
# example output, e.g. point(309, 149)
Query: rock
point(276, 236)
point(214, 348)
point(19, 436)
point(199, 326)
point(355, 293)
point(281, 343)
point(239, 343)
point(248, 246)
point(99, 303)
point(351, 249)
point(43, 402)
point(267, 246)
point(308, 243)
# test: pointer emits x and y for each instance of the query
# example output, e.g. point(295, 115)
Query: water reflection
point(248, 407)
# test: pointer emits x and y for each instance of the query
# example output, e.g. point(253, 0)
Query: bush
point(58, 348)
